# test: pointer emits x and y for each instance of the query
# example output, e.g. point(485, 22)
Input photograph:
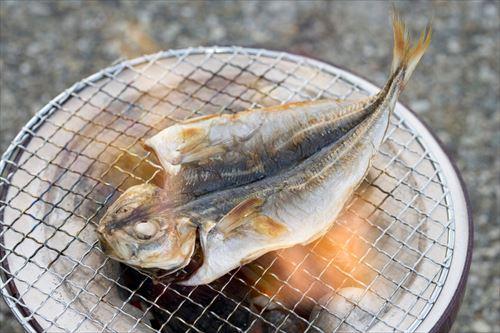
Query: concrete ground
point(47, 46)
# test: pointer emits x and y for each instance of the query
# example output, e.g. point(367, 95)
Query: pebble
point(480, 326)
point(421, 105)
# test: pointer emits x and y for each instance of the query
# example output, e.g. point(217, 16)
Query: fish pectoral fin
point(249, 213)
point(267, 226)
point(239, 215)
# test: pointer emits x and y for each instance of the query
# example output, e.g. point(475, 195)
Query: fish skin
point(238, 224)
point(216, 152)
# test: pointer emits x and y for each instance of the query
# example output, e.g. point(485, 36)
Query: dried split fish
point(255, 182)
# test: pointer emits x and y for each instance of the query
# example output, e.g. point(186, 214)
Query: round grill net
point(380, 267)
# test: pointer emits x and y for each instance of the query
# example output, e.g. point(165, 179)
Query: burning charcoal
point(282, 321)
point(136, 281)
point(209, 308)
point(275, 317)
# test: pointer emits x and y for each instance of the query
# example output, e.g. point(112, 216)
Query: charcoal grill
point(396, 260)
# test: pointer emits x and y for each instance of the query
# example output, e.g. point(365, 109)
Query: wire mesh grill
point(381, 267)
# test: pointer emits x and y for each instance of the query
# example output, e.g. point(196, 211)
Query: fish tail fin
point(401, 41)
point(406, 56)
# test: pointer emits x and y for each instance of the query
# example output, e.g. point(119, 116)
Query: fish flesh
point(292, 202)
point(215, 152)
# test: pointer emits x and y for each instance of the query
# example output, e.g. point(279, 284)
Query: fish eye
point(145, 230)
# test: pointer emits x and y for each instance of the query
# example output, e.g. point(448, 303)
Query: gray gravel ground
point(47, 46)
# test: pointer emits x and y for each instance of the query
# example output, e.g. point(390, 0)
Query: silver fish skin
point(220, 151)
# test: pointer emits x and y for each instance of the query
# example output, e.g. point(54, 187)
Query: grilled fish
point(291, 205)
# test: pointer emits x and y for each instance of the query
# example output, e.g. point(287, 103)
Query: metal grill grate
point(381, 267)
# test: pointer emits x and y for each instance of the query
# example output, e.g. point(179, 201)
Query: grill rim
point(444, 321)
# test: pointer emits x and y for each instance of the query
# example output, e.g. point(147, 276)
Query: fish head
point(137, 231)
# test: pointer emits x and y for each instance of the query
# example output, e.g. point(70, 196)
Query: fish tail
point(406, 56)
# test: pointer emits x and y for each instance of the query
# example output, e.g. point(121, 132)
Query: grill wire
point(385, 260)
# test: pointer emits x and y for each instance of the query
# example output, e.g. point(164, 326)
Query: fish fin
point(405, 56)
point(401, 40)
point(248, 212)
point(203, 231)
point(239, 215)
point(417, 51)
point(267, 226)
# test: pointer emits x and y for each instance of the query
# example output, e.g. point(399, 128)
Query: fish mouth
point(106, 247)
point(123, 253)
